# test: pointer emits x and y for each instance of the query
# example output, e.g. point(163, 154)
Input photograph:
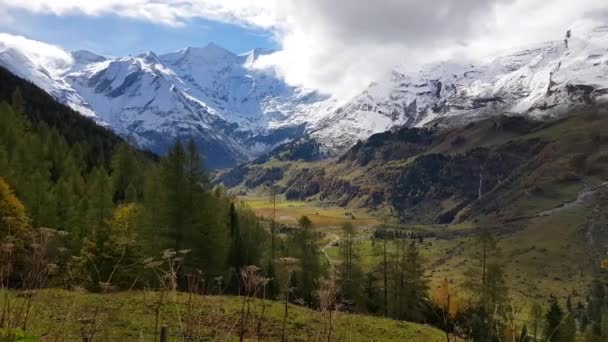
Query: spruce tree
point(553, 320)
point(308, 254)
point(415, 285)
point(351, 275)
point(236, 259)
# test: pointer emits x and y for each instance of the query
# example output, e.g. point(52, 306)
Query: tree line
point(109, 215)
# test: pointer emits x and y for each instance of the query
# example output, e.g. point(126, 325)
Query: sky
point(335, 46)
point(114, 35)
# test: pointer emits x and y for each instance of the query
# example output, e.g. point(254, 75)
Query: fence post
point(163, 334)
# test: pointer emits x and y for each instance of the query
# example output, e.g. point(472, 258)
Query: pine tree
point(485, 260)
point(373, 297)
point(236, 257)
point(127, 174)
point(535, 317)
point(553, 320)
point(99, 199)
point(415, 285)
point(567, 330)
point(17, 102)
point(350, 271)
point(177, 207)
point(308, 254)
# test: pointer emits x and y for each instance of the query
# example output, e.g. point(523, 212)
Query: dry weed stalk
point(327, 294)
point(290, 265)
point(252, 281)
point(167, 270)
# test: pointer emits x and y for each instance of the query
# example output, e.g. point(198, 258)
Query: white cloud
point(47, 56)
point(339, 46)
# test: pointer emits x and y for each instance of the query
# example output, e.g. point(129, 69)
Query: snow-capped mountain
point(235, 111)
point(232, 110)
point(546, 79)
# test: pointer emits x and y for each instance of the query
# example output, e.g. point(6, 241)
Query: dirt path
point(336, 239)
point(580, 200)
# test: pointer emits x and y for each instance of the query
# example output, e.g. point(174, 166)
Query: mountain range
point(236, 111)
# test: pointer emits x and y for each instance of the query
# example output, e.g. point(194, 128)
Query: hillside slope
point(43, 108)
point(63, 315)
point(508, 167)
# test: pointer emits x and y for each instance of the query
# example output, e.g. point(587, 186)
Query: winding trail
point(337, 238)
point(579, 201)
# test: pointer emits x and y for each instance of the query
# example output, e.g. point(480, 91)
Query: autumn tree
point(445, 298)
point(112, 251)
point(14, 222)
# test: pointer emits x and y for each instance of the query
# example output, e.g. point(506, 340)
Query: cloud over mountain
point(340, 46)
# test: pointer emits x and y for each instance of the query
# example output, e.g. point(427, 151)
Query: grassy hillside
point(58, 315)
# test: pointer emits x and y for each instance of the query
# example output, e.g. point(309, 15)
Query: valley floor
point(554, 253)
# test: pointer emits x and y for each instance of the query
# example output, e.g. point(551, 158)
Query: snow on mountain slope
point(209, 94)
point(254, 99)
point(41, 63)
point(235, 111)
point(546, 79)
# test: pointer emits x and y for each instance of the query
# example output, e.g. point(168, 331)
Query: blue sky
point(120, 36)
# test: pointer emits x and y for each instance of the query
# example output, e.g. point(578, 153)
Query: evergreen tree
point(127, 174)
point(99, 199)
point(307, 252)
point(485, 278)
point(350, 271)
point(236, 247)
point(535, 317)
point(373, 296)
point(553, 320)
point(415, 285)
point(18, 102)
point(567, 330)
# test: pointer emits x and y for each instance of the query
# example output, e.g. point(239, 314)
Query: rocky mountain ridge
point(237, 112)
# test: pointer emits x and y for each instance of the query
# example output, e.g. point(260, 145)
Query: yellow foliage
point(604, 264)
point(13, 218)
point(123, 224)
point(445, 297)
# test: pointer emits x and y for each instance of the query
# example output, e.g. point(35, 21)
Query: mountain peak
point(86, 56)
point(209, 51)
point(251, 56)
point(149, 57)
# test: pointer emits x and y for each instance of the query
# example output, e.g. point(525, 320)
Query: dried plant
point(290, 265)
point(327, 294)
point(167, 269)
point(252, 282)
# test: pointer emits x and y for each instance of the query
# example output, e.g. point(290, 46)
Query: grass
point(289, 211)
point(543, 256)
point(131, 316)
